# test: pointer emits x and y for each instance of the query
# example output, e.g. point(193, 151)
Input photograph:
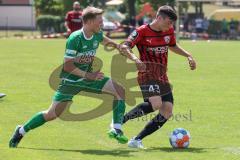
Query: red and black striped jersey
point(153, 49)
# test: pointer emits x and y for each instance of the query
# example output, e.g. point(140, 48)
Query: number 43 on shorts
point(154, 88)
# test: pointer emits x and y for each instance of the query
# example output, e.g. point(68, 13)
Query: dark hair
point(91, 13)
point(167, 11)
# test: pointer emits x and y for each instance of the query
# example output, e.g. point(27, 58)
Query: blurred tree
point(50, 7)
point(122, 8)
point(198, 8)
point(183, 7)
point(131, 8)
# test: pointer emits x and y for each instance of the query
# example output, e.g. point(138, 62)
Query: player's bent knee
point(115, 89)
point(156, 105)
point(120, 91)
point(49, 115)
point(165, 114)
point(168, 115)
point(156, 102)
point(167, 110)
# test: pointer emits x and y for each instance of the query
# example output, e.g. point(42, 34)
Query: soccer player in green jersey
point(77, 75)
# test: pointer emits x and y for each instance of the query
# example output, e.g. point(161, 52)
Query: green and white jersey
point(83, 50)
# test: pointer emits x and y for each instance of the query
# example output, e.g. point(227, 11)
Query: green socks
point(36, 121)
point(118, 111)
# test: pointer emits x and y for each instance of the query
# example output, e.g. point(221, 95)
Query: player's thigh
point(113, 88)
point(156, 102)
point(94, 86)
point(151, 93)
point(66, 91)
point(167, 108)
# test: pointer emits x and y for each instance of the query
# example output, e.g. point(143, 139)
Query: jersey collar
point(85, 35)
point(153, 29)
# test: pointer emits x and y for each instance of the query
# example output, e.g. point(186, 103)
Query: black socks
point(156, 123)
point(140, 110)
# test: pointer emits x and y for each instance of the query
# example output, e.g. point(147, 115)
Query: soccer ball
point(179, 138)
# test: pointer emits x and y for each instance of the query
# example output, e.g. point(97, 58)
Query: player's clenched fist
point(192, 63)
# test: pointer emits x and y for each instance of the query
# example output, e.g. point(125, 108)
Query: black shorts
point(156, 88)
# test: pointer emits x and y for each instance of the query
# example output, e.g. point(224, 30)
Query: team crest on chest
point(167, 39)
point(95, 44)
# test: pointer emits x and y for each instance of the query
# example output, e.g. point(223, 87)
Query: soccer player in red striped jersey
point(73, 19)
point(153, 41)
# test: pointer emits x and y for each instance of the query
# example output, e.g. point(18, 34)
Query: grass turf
point(206, 104)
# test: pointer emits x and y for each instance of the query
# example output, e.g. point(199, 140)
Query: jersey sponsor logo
point(88, 53)
point(167, 39)
point(84, 59)
point(158, 50)
point(133, 35)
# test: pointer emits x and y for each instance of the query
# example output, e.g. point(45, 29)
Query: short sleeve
point(133, 38)
point(100, 36)
point(71, 48)
point(172, 39)
point(67, 17)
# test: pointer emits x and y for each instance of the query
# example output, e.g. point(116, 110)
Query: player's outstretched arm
point(126, 51)
point(110, 43)
point(179, 50)
point(123, 49)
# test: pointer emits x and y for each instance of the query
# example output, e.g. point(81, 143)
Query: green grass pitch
point(208, 98)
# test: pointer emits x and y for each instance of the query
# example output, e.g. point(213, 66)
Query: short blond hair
point(90, 13)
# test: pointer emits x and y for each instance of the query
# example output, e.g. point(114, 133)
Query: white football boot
point(135, 143)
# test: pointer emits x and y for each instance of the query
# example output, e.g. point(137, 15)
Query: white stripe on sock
point(22, 131)
point(117, 126)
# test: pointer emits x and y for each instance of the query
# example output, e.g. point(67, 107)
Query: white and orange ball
point(180, 138)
